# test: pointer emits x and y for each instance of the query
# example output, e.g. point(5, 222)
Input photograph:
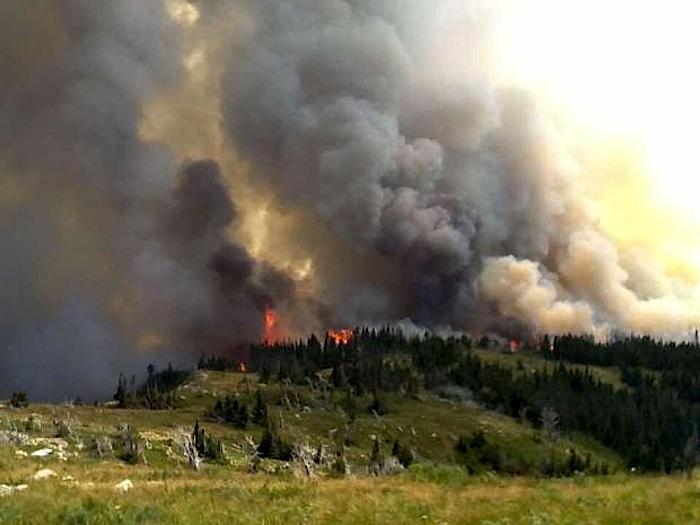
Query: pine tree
point(259, 409)
point(272, 445)
point(120, 395)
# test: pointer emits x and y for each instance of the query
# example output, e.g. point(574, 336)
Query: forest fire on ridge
point(342, 336)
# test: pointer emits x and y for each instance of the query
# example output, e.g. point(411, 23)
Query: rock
point(42, 452)
point(44, 473)
point(124, 486)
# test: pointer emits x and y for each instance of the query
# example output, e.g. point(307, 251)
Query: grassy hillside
point(433, 490)
point(528, 361)
point(430, 425)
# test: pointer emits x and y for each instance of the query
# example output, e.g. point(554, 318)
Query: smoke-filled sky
point(170, 170)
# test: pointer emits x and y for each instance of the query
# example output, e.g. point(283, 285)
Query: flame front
point(342, 336)
point(242, 367)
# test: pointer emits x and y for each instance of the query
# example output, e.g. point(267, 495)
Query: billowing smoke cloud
point(465, 188)
point(332, 103)
point(366, 167)
point(108, 252)
point(521, 291)
point(315, 104)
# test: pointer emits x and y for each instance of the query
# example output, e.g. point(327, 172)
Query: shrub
point(477, 454)
point(231, 411)
point(132, 448)
point(402, 453)
point(272, 444)
point(19, 399)
point(207, 446)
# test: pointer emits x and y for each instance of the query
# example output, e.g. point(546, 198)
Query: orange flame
point(514, 346)
point(242, 367)
point(270, 335)
point(342, 336)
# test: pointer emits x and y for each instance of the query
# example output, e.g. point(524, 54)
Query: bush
point(272, 444)
point(477, 454)
point(131, 447)
point(206, 446)
point(231, 411)
point(19, 399)
point(339, 467)
point(402, 453)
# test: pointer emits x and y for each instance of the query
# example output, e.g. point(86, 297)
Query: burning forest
point(349, 261)
point(180, 177)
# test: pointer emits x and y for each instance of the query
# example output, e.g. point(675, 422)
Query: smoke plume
point(171, 170)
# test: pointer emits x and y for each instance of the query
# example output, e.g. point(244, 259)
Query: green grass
point(433, 490)
point(424, 494)
point(529, 361)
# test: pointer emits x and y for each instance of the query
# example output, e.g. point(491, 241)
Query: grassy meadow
point(82, 488)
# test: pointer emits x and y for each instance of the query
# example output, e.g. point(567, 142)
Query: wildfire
point(242, 367)
point(270, 334)
point(342, 336)
point(514, 346)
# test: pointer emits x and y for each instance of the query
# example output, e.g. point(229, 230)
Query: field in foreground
point(81, 488)
point(421, 495)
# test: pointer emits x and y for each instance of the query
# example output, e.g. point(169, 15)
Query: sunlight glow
point(625, 68)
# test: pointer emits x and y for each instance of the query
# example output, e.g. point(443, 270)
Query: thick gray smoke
point(108, 252)
point(363, 112)
point(316, 104)
point(332, 103)
point(414, 186)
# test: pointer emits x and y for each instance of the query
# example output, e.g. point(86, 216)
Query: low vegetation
point(384, 429)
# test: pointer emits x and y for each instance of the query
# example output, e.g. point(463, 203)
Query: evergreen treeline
point(632, 351)
point(219, 363)
point(156, 393)
point(649, 425)
point(373, 360)
point(233, 411)
point(676, 366)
